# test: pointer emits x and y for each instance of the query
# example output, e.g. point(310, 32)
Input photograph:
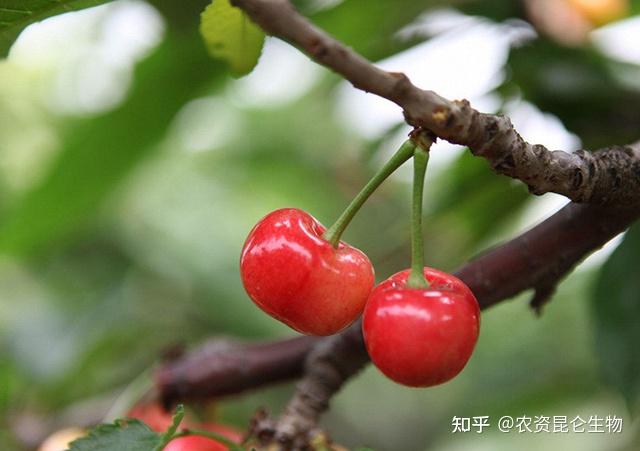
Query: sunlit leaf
point(230, 35)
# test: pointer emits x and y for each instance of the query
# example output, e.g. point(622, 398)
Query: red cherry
point(295, 275)
point(421, 337)
point(200, 443)
point(195, 443)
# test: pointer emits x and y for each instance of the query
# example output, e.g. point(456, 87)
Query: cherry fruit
point(195, 443)
point(421, 337)
point(202, 443)
point(295, 275)
point(299, 272)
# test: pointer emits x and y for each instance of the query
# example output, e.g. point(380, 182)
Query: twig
point(328, 366)
point(221, 367)
point(609, 176)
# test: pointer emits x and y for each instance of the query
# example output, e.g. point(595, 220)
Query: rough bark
point(608, 176)
point(220, 367)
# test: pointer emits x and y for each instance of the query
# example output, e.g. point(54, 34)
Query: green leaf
point(370, 26)
point(458, 187)
point(579, 85)
point(230, 35)
point(616, 308)
point(15, 15)
point(123, 435)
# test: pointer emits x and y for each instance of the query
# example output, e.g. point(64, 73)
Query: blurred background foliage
point(132, 167)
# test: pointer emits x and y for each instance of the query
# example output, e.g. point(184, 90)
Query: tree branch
point(221, 367)
point(610, 176)
point(328, 366)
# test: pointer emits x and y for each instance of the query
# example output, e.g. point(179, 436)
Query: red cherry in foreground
point(291, 272)
point(195, 443)
point(421, 337)
point(200, 443)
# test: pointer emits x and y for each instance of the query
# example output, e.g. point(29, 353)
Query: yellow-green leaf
point(230, 35)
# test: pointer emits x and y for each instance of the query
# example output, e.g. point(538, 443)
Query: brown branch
point(328, 366)
point(541, 257)
point(221, 367)
point(609, 176)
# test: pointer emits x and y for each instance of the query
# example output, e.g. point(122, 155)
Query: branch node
point(442, 117)
point(541, 296)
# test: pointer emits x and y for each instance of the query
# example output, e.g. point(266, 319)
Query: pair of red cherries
point(418, 337)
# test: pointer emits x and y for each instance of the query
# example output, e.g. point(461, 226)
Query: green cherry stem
point(333, 233)
point(416, 277)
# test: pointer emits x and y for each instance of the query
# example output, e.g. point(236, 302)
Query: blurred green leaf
point(479, 211)
point(616, 308)
point(369, 26)
point(15, 15)
point(577, 85)
point(230, 35)
point(123, 435)
point(97, 153)
point(497, 10)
